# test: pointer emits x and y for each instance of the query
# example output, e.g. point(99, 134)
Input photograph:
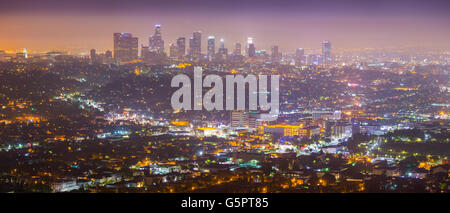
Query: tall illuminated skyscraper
point(93, 55)
point(181, 44)
point(25, 52)
point(173, 51)
point(156, 43)
point(223, 52)
point(300, 56)
point(195, 45)
point(211, 47)
point(251, 51)
point(145, 52)
point(222, 43)
point(326, 52)
point(125, 47)
point(237, 49)
point(275, 56)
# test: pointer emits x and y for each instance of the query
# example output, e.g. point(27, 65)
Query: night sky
point(51, 24)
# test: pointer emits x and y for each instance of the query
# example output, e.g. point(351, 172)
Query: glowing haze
point(81, 25)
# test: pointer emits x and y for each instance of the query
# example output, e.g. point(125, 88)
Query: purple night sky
point(47, 24)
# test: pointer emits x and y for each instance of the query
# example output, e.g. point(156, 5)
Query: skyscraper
point(25, 52)
point(250, 48)
point(237, 49)
point(239, 118)
point(222, 43)
point(195, 47)
point(211, 47)
point(125, 47)
point(108, 57)
point(275, 54)
point(93, 56)
point(326, 52)
point(300, 57)
point(145, 52)
point(156, 43)
point(223, 52)
point(174, 52)
point(314, 59)
point(181, 44)
point(108, 54)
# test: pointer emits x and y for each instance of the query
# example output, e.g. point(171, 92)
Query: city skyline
point(250, 96)
point(289, 25)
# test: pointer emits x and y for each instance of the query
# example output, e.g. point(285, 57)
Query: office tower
point(341, 130)
point(275, 56)
point(237, 49)
point(93, 56)
point(173, 51)
point(195, 47)
point(211, 47)
point(108, 58)
point(253, 120)
point(314, 59)
point(181, 44)
point(223, 52)
point(356, 128)
point(326, 52)
point(108, 54)
point(251, 48)
point(145, 52)
point(125, 47)
point(300, 57)
point(239, 118)
point(25, 52)
point(156, 43)
point(222, 43)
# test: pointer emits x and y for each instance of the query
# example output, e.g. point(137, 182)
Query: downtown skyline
point(289, 25)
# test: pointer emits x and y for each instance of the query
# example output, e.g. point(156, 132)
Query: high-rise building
point(275, 56)
point(314, 59)
point(211, 47)
point(300, 57)
point(237, 49)
point(239, 118)
point(125, 47)
point(253, 117)
point(108, 54)
point(222, 43)
point(251, 51)
point(341, 130)
point(181, 44)
point(223, 52)
point(195, 47)
point(326, 52)
point(156, 43)
point(108, 57)
point(145, 52)
point(25, 52)
point(93, 56)
point(174, 52)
